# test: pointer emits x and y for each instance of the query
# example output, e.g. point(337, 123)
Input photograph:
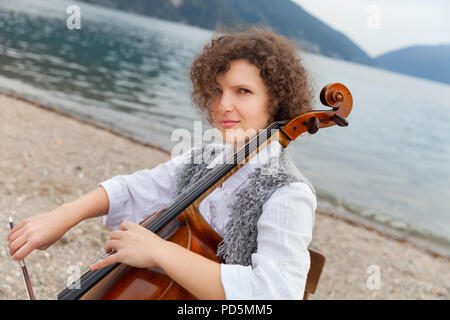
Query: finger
point(123, 226)
point(17, 227)
point(23, 252)
point(16, 244)
point(128, 225)
point(114, 258)
point(112, 244)
point(13, 235)
point(116, 234)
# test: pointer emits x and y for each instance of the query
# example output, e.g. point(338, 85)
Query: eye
point(243, 90)
point(218, 91)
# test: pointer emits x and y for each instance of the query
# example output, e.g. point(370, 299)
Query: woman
point(242, 82)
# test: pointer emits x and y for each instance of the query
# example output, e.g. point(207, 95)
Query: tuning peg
point(312, 125)
point(339, 120)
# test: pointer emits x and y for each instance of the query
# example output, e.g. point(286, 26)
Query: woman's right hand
point(38, 232)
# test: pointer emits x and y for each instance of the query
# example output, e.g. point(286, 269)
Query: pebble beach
point(48, 159)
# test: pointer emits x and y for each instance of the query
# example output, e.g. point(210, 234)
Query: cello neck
point(196, 192)
point(200, 189)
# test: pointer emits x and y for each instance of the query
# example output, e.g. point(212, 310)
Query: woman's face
point(240, 106)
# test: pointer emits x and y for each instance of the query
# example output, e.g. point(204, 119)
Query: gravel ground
point(48, 159)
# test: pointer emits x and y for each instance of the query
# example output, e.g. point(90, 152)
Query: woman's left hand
point(134, 246)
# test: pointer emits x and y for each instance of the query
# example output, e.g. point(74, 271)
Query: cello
point(182, 223)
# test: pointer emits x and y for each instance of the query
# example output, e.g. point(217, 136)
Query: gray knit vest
point(240, 238)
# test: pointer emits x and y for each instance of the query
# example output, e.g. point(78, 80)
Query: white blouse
point(281, 262)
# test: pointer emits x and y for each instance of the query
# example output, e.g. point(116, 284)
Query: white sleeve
point(281, 263)
point(135, 196)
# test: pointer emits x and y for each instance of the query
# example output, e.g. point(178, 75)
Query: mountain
point(284, 16)
point(430, 62)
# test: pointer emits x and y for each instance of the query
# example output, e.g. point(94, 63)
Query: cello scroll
point(334, 95)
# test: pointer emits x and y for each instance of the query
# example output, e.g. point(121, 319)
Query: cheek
point(212, 111)
point(259, 113)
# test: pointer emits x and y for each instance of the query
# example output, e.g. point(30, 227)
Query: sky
point(379, 26)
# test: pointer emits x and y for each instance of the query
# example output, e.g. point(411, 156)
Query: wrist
point(163, 253)
point(70, 217)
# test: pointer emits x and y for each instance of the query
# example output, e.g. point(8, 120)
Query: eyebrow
point(240, 85)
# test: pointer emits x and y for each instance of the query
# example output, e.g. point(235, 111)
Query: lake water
point(128, 72)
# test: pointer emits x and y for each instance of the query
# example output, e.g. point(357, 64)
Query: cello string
point(90, 275)
point(186, 197)
point(83, 272)
point(160, 221)
point(213, 175)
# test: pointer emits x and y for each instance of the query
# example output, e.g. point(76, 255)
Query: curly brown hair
point(290, 91)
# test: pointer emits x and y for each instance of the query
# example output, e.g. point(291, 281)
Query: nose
point(226, 101)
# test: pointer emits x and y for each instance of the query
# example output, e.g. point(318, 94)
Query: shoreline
point(53, 160)
point(82, 121)
point(431, 246)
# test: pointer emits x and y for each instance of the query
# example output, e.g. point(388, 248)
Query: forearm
point(197, 274)
point(90, 205)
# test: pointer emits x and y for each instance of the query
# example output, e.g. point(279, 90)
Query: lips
point(228, 123)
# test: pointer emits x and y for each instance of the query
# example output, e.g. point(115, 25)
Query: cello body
point(191, 231)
